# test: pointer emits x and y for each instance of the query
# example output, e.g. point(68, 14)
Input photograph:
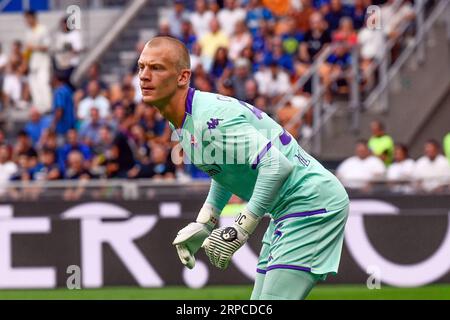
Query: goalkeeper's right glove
point(189, 239)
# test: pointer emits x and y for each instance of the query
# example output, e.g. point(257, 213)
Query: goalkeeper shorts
point(308, 241)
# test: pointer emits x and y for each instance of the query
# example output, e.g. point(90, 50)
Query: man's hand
point(189, 239)
point(224, 242)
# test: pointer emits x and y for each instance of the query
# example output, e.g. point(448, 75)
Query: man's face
point(30, 20)
point(431, 151)
point(158, 74)
point(362, 151)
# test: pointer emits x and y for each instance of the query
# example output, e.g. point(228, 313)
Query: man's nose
point(145, 74)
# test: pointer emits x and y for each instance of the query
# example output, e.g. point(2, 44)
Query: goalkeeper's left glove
point(224, 242)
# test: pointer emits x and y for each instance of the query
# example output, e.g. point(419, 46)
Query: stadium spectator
point(400, 172)
point(371, 41)
point(214, 7)
point(220, 63)
point(93, 100)
point(76, 171)
point(303, 15)
point(7, 168)
point(276, 53)
point(393, 16)
point(230, 15)
point(48, 168)
point(446, 144)
point(161, 166)
point(37, 45)
point(73, 144)
point(213, 40)
point(432, 170)
point(336, 13)
point(315, 39)
point(176, 15)
point(67, 47)
point(187, 36)
point(358, 13)
point(359, 171)
point(63, 106)
point(241, 74)
point(252, 91)
point(273, 82)
point(239, 40)
point(256, 13)
point(201, 18)
point(89, 130)
point(164, 28)
point(3, 60)
point(36, 125)
point(380, 143)
point(119, 158)
point(12, 87)
point(291, 37)
point(345, 33)
point(23, 144)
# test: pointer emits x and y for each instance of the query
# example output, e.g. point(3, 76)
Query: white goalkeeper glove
point(224, 242)
point(189, 239)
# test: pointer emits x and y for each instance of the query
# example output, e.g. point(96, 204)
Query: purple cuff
point(261, 271)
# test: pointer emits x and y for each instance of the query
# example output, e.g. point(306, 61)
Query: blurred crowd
point(250, 49)
point(380, 160)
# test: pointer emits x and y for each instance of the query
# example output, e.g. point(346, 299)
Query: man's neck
point(174, 110)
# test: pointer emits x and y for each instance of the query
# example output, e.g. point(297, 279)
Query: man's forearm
point(218, 196)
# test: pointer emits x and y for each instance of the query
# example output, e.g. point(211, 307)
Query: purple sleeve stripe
point(285, 138)
point(261, 154)
point(288, 266)
point(301, 214)
point(261, 271)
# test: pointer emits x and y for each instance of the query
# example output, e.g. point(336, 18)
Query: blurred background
point(93, 189)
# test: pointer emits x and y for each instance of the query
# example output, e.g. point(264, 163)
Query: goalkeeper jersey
point(230, 140)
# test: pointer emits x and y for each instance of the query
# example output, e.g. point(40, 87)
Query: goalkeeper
point(248, 154)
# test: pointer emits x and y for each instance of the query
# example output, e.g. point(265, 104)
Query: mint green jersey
point(228, 139)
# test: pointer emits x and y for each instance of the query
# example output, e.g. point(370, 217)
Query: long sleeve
point(273, 170)
point(218, 196)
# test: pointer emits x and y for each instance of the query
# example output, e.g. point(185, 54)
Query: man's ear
point(184, 77)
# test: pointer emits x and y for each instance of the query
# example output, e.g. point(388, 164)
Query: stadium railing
point(123, 189)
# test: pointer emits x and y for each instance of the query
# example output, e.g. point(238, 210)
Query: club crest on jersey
point(213, 123)
point(229, 234)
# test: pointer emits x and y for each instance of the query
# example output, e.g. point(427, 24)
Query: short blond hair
point(182, 59)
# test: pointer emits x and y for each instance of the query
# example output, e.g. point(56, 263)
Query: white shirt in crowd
point(393, 16)
point(100, 102)
point(401, 170)
point(12, 87)
point(7, 170)
point(372, 42)
point(200, 22)
point(228, 19)
point(432, 174)
point(39, 36)
point(356, 173)
point(65, 57)
point(237, 44)
point(270, 86)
